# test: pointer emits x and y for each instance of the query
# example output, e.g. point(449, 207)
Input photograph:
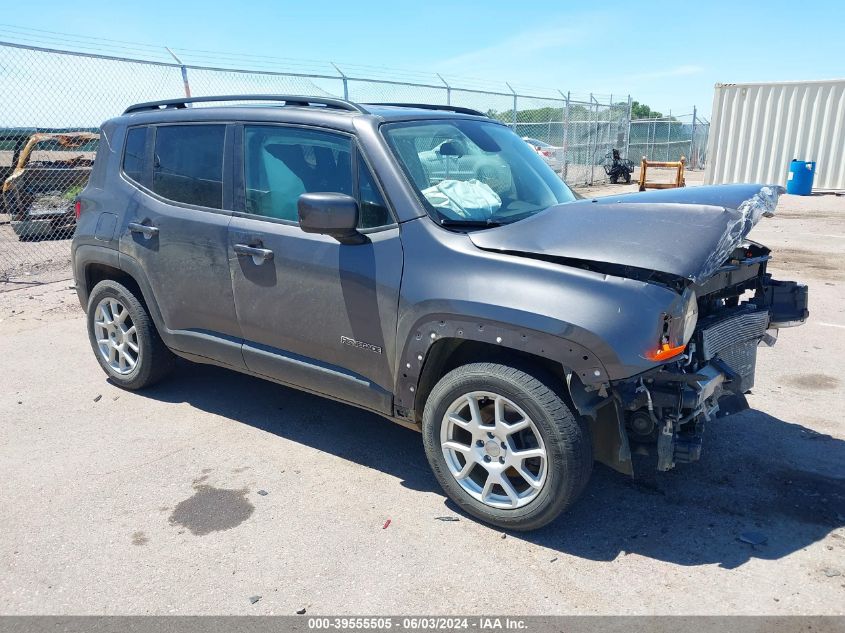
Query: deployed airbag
point(463, 199)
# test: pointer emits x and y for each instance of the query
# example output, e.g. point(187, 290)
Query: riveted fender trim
point(427, 331)
point(85, 255)
point(133, 268)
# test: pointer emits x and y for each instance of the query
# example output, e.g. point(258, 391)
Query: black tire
point(614, 180)
point(565, 435)
point(154, 359)
point(628, 179)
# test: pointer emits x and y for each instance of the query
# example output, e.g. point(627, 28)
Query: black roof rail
point(431, 106)
point(292, 100)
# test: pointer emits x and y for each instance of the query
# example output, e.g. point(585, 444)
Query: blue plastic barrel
point(800, 179)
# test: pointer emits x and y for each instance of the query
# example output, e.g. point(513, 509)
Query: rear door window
point(188, 164)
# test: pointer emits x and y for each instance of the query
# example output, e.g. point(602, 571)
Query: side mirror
point(333, 214)
point(451, 148)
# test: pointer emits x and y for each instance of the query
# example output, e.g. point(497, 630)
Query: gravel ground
point(213, 488)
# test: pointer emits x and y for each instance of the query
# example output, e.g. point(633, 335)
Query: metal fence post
point(652, 133)
point(184, 72)
point(565, 133)
point(594, 139)
point(345, 81)
point(448, 89)
point(668, 134)
point(693, 157)
point(609, 141)
point(514, 105)
point(628, 131)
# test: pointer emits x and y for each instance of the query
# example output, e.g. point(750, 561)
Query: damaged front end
point(740, 307)
point(672, 364)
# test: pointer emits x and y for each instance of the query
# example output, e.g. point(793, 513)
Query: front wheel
point(505, 446)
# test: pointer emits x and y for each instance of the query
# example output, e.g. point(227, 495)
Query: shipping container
point(758, 128)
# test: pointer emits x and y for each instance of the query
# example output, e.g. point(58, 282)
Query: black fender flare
point(83, 256)
point(432, 328)
point(86, 255)
point(133, 268)
point(586, 374)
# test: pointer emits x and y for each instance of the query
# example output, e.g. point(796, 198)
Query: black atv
point(616, 167)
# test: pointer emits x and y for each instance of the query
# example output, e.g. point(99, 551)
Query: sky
point(666, 54)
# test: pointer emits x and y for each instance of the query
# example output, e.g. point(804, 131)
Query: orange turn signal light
point(665, 352)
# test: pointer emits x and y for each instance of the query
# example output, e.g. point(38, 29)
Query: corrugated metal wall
point(757, 129)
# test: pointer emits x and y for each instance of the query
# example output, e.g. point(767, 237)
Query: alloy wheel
point(493, 450)
point(117, 337)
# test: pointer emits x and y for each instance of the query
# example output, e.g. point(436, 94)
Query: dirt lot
point(213, 488)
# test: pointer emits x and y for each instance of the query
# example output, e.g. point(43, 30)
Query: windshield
point(474, 172)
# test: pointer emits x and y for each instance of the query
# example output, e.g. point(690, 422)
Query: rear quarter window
point(188, 164)
point(134, 152)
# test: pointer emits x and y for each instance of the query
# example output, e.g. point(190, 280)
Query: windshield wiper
point(473, 224)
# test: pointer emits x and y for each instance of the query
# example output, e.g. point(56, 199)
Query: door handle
point(259, 255)
point(147, 231)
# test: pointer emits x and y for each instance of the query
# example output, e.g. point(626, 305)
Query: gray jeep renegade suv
point(422, 262)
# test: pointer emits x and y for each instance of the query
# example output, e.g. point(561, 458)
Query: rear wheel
point(124, 338)
point(505, 446)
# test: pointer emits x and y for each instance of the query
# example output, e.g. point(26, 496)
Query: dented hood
point(687, 232)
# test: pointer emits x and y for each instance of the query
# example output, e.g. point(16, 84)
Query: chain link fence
point(52, 103)
point(670, 138)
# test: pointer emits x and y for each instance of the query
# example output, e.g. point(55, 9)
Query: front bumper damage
point(668, 406)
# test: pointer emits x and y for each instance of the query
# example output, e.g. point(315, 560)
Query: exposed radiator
point(734, 340)
point(740, 328)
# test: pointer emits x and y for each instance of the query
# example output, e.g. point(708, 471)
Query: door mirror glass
point(334, 214)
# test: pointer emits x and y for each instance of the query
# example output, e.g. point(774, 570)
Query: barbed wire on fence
point(52, 102)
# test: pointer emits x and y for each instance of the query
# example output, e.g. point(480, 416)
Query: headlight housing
point(690, 318)
point(676, 328)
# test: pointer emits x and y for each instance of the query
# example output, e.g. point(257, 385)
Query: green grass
point(71, 193)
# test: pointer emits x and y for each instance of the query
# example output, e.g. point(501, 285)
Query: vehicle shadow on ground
point(757, 474)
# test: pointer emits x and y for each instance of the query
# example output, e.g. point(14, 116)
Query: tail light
point(546, 153)
point(77, 208)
